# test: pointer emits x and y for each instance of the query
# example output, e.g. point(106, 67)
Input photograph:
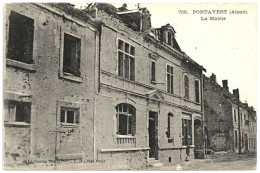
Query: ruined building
point(230, 125)
point(98, 84)
point(50, 82)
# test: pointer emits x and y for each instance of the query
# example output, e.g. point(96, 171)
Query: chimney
point(146, 20)
point(213, 78)
point(225, 84)
point(123, 8)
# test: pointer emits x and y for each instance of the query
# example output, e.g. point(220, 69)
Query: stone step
point(154, 163)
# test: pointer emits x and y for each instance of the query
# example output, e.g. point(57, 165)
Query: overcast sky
point(226, 48)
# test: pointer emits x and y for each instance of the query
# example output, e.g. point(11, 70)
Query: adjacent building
point(230, 125)
point(150, 94)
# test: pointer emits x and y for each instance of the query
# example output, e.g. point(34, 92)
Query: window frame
point(197, 91)
point(76, 119)
point(186, 86)
point(16, 63)
point(15, 103)
point(130, 122)
point(170, 125)
point(186, 138)
point(62, 104)
point(122, 68)
point(153, 72)
point(63, 74)
point(171, 89)
point(236, 139)
point(235, 115)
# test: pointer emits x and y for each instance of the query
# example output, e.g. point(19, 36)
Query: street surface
point(222, 162)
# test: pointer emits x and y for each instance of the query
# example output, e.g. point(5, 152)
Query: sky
point(227, 48)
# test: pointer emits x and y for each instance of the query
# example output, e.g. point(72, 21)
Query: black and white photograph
point(140, 86)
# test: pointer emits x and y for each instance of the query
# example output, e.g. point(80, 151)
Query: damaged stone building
point(230, 125)
point(99, 84)
point(50, 82)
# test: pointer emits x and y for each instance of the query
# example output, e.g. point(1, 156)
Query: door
point(153, 135)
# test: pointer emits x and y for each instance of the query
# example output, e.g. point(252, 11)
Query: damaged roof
point(70, 9)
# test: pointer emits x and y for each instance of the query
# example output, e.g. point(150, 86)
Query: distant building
point(230, 125)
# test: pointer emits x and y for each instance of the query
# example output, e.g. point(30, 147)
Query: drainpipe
point(202, 110)
point(98, 90)
point(239, 124)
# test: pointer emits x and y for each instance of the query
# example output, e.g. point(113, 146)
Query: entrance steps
point(154, 163)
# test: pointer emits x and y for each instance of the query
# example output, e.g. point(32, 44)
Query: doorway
point(153, 134)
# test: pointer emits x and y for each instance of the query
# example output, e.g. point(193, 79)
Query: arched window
point(125, 119)
point(169, 125)
point(169, 38)
point(197, 91)
point(186, 85)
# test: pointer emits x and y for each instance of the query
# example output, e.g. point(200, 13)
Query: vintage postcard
point(129, 86)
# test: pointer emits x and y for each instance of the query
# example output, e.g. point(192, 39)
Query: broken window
point(169, 79)
point(69, 115)
point(126, 61)
point(186, 86)
point(186, 132)
point(20, 42)
point(197, 91)
point(170, 127)
point(71, 55)
point(152, 71)
point(125, 119)
point(17, 111)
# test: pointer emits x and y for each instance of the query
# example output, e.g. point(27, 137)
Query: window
point(125, 119)
point(17, 111)
point(21, 33)
point(235, 116)
point(152, 71)
point(242, 139)
point(169, 38)
point(71, 55)
point(241, 117)
point(197, 91)
point(170, 127)
point(186, 132)
point(245, 119)
point(169, 79)
point(69, 115)
point(186, 86)
point(126, 61)
point(236, 139)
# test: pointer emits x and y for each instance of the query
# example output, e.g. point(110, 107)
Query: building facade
point(150, 94)
point(50, 82)
point(229, 123)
